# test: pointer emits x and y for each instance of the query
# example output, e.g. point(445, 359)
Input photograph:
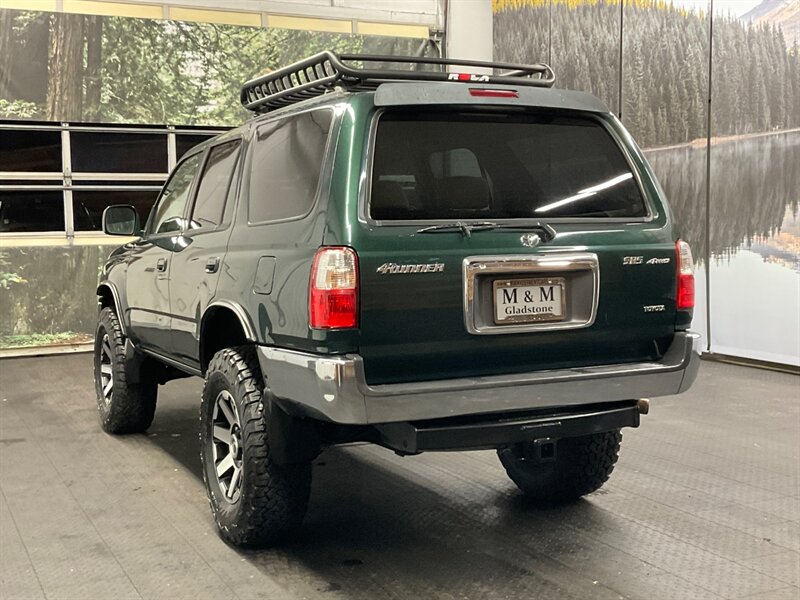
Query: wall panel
point(732, 176)
point(755, 190)
point(664, 105)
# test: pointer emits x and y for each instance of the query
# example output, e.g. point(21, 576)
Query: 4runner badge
point(394, 269)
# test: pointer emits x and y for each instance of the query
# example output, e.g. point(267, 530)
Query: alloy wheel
point(106, 369)
point(227, 446)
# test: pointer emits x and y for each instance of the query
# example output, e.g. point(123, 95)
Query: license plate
point(529, 300)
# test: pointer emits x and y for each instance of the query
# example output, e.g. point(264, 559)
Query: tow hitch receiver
point(541, 450)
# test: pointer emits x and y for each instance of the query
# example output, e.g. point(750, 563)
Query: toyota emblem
point(530, 240)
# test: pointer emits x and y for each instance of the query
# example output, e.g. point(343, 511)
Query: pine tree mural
point(665, 76)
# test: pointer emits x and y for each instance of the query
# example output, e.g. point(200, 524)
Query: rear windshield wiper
point(466, 229)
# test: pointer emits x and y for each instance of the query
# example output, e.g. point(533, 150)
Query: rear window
point(497, 166)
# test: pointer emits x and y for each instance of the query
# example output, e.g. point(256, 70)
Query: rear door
point(500, 242)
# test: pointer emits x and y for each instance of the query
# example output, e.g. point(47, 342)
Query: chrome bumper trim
point(334, 388)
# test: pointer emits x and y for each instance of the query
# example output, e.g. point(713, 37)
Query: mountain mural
point(783, 13)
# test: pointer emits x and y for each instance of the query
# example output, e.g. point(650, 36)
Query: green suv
point(421, 259)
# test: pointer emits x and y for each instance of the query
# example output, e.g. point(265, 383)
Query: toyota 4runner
point(421, 259)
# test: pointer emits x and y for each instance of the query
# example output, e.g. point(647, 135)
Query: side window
point(168, 215)
point(214, 184)
point(286, 166)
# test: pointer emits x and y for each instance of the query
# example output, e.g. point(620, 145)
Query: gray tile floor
point(705, 503)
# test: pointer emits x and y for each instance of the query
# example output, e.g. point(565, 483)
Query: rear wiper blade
point(466, 229)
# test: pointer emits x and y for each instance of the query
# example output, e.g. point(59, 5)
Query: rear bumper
point(334, 388)
point(502, 430)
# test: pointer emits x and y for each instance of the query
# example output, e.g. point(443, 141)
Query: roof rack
point(318, 74)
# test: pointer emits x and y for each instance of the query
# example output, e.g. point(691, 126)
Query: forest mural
point(47, 294)
point(659, 52)
point(68, 67)
point(81, 68)
point(753, 64)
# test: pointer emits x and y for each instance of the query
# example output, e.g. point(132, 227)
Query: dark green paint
point(412, 325)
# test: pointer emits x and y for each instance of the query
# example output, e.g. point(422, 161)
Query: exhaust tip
point(643, 404)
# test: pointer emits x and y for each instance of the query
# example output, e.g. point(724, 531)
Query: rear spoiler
point(454, 94)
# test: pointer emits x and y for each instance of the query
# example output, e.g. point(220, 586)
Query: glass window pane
point(184, 143)
point(38, 151)
point(95, 152)
point(462, 166)
point(168, 214)
point(287, 161)
point(31, 211)
point(214, 184)
point(88, 206)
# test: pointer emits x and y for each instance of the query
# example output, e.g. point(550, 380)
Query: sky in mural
point(735, 7)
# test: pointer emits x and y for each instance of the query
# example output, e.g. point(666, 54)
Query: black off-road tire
point(272, 499)
point(583, 464)
point(130, 407)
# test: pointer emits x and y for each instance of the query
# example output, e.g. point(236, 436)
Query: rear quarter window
point(446, 165)
point(286, 166)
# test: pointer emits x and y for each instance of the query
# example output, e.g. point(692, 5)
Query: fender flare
point(236, 309)
point(117, 304)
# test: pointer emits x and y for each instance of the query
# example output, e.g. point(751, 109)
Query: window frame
point(225, 221)
point(66, 182)
point(366, 192)
point(325, 167)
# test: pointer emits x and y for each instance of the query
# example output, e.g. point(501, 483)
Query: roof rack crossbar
point(323, 72)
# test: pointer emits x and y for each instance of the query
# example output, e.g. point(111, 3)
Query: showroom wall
point(733, 182)
point(648, 60)
point(79, 95)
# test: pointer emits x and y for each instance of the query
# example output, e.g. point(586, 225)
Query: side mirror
point(121, 219)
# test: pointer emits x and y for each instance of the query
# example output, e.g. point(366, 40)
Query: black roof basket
point(322, 72)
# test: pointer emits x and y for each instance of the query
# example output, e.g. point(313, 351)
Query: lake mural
point(754, 250)
point(750, 262)
point(754, 191)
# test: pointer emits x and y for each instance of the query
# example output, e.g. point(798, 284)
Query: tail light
point(685, 296)
point(333, 293)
